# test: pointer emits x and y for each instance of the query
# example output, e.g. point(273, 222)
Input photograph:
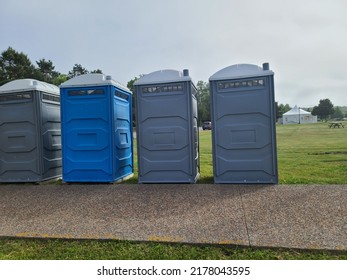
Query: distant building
point(298, 116)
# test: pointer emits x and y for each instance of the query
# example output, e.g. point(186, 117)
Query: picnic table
point(336, 125)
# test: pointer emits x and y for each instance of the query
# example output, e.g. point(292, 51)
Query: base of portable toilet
point(30, 135)
point(127, 177)
point(243, 125)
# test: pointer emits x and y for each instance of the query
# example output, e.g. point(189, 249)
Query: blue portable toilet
point(167, 128)
point(243, 125)
point(96, 129)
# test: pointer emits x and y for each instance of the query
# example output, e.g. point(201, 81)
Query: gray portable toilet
point(167, 128)
point(30, 137)
point(243, 125)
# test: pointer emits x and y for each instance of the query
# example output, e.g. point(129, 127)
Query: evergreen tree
point(15, 65)
point(45, 71)
point(77, 70)
point(97, 71)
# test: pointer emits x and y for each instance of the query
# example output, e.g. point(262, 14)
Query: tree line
point(17, 65)
point(325, 110)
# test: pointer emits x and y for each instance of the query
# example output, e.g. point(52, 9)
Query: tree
point(77, 70)
point(324, 110)
point(15, 65)
point(203, 95)
point(97, 71)
point(45, 71)
point(338, 114)
point(130, 86)
point(281, 109)
point(59, 79)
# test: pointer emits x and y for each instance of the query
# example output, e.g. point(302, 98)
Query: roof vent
point(266, 66)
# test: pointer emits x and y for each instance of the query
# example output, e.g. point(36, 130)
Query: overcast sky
point(305, 41)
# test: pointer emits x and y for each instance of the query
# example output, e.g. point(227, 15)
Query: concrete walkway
point(291, 216)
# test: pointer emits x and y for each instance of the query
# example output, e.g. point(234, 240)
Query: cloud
point(304, 41)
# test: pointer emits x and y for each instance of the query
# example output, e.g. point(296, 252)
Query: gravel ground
point(289, 216)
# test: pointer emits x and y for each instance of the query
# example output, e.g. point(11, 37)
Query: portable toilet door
point(243, 125)
point(167, 128)
point(30, 135)
point(96, 129)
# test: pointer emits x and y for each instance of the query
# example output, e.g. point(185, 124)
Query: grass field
point(312, 154)
point(307, 154)
point(48, 249)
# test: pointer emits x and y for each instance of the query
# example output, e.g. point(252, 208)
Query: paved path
point(291, 216)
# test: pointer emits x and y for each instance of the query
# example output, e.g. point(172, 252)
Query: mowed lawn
point(312, 154)
point(306, 153)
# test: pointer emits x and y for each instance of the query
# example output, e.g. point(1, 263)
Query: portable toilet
point(243, 125)
point(30, 137)
point(167, 128)
point(96, 129)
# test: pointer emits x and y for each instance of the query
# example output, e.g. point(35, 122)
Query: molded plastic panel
point(87, 150)
point(167, 138)
point(97, 133)
point(243, 127)
point(30, 137)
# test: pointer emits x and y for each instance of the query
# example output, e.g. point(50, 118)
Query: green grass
point(206, 164)
point(307, 154)
point(312, 154)
point(53, 249)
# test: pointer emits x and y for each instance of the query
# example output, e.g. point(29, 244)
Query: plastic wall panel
point(87, 150)
point(167, 142)
point(123, 138)
point(30, 140)
point(51, 137)
point(97, 135)
point(243, 132)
